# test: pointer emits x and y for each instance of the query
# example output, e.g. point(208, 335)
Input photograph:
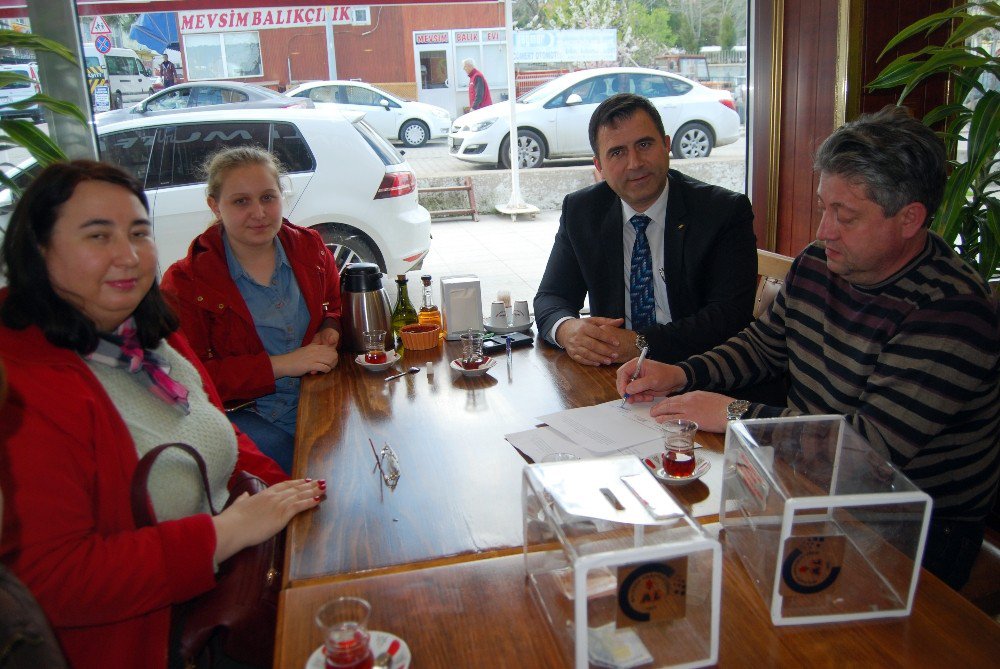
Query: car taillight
point(395, 184)
point(729, 103)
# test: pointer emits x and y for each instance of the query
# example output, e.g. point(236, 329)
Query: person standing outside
point(880, 321)
point(168, 72)
point(479, 90)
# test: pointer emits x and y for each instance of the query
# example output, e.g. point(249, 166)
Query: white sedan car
point(552, 119)
point(343, 180)
point(413, 123)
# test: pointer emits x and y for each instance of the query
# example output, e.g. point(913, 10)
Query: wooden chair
point(771, 268)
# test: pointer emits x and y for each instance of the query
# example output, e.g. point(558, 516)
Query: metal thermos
point(365, 306)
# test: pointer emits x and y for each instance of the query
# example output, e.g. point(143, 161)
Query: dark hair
point(621, 107)
point(896, 158)
point(31, 299)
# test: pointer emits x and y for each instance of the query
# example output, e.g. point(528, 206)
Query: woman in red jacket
point(98, 376)
point(258, 298)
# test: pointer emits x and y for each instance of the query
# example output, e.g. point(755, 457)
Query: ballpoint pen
point(509, 358)
point(637, 372)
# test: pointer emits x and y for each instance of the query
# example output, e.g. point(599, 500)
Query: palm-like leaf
point(969, 215)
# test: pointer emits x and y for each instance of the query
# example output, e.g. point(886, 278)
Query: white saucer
point(507, 329)
point(479, 371)
point(379, 642)
point(701, 466)
point(391, 357)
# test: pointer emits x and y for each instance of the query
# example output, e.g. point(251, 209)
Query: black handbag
point(237, 617)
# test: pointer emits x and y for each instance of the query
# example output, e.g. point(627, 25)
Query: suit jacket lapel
point(673, 237)
point(611, 236)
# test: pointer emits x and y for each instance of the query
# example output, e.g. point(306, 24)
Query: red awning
point(10, 9)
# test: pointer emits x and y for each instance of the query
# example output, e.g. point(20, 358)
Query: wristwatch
point(640, 342)
point(736, 409)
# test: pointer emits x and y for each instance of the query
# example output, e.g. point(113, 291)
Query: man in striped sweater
point(880, 321)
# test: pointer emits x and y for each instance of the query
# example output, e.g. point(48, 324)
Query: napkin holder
point(618, 587)
point(828, 529)
point(461, 305)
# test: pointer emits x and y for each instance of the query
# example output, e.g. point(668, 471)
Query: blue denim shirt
point(281, 317)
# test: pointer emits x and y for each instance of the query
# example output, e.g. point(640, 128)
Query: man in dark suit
point(668, 261)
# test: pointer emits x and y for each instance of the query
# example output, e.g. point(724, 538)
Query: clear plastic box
point(827, 528)
point(619, 587)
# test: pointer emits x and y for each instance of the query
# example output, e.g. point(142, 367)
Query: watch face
point(640, 342)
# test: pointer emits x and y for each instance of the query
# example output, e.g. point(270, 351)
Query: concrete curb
point(546, 187)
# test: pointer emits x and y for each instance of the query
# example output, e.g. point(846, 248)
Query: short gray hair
point(468, 61)
point(897, 158)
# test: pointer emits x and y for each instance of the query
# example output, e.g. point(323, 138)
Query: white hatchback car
point(552, 119)
point(342, 179)
point(412, 123)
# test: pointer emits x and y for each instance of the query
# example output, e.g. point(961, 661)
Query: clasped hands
point(596, 340)
point(317, 357)
point(709, 410)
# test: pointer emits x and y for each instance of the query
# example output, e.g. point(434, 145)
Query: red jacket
point(216, 321)
point(478, 88)
point(66, 466)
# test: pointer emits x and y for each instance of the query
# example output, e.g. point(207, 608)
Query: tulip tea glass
point(344, 623)
point(375, 347)
point(472, 349)
point(678, 447)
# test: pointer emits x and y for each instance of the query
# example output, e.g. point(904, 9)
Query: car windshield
point(544, 91)
point(18, 84)
point(265, 92)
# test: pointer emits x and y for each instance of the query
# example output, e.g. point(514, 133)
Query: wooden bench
point(466, 186)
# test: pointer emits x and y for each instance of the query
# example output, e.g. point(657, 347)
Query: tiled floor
point(505, 255)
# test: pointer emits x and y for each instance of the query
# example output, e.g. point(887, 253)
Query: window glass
point(290, 147)
point(356, 95)
point(187, 147)
point(318, 94)
point(223, 55)
point(17, 84)
point(132, 150)
point(654, 87)
point(176, 99)
point(115, 65)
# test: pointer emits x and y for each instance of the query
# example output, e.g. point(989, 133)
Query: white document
point(607, 427)
point(541, 441)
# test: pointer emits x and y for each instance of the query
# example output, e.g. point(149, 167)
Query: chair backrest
point(772, 268)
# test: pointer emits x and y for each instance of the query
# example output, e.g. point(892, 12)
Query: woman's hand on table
point(328, 336)
point(709, 410)
point(251, 519)
point(654, 379)
point(310, 359)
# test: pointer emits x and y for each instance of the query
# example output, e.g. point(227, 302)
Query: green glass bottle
point(404, 313)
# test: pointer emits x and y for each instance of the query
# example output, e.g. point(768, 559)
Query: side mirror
point(384, 103)
point(573, 99)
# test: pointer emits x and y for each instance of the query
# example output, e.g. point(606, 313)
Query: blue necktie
point(641, 284)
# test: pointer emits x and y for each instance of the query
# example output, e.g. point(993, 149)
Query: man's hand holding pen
point(640, 380)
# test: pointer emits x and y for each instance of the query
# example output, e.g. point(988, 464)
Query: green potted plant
point(969, 215)
point(23, 133)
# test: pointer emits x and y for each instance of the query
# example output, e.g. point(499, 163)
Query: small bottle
point(429, 313)
point(404, 313)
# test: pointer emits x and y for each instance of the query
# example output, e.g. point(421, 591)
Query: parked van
point(17, 91)
point(128, 78)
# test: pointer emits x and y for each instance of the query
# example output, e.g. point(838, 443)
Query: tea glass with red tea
point(344, 623)
point(678, 447)
point(375, 347)
point(472, 349)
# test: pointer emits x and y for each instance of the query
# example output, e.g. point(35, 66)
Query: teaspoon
point(411, 370)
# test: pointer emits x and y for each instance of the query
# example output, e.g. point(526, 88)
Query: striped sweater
point(912, 364)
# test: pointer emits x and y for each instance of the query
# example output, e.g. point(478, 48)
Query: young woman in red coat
point(258, 298)
point(98, 376)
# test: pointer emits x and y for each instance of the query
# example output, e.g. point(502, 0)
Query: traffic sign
point(102, 44)
point(100, 26)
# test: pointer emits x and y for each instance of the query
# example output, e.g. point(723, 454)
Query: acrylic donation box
point(825, 526)
point(624, 577)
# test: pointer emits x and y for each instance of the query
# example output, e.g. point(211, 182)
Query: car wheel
point(530, 150)
point(116, 101)
point(414, 133)
point(348, 247)
point(693, 140)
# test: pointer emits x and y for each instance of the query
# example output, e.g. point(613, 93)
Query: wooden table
point(459, 495)
point(480, 613)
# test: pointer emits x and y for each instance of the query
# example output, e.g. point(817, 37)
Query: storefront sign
point(431, 38)
point(565, 46)
point(224, 20)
